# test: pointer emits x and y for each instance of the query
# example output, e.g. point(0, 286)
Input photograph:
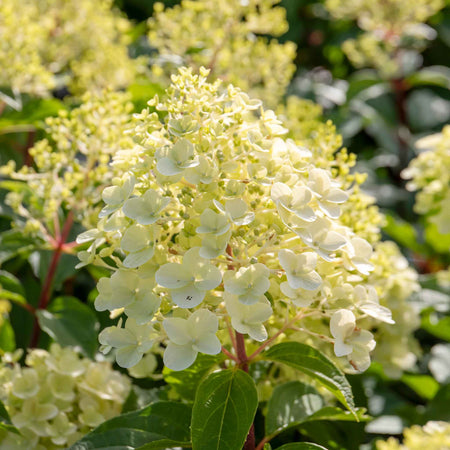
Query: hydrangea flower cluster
point(219, 221)
point(429, 173)
point(390, 28)
point(71, 164)
point(433, 436)
point(229, 38)
point(59, 47)
point(58, 397)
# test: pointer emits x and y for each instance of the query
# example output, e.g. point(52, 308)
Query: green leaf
point(70, 323)
point(14, 243)
point(223, 411)
point(435, 326)
point(403, 233)
point(316, 365)
point(11, 288)
point(7, 337)
point(423, 385)
point(163, 424)
point(432, 76)
point(185, 382)
point(337, 414)
point(440, 242)
point(32, 113)
point(5, 421)
point(142, 93)
point(290, 404)
point(301, 446)
point(438, 408)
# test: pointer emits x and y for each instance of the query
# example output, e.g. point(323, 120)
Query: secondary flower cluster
point(433, 436)
point(49, 43)
point(217, 219)
point(229, 38)
point(70, 165)
point(58, 397)
point(391, 28)
point(430, 175)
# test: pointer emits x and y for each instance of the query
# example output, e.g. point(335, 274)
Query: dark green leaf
point(185, 382)
point(435, 326)
point(223, 411)
point(290, 404)
point(316, 365)
point(162, 424)
point(70, 322)
point(301, 446)
point(438, 408)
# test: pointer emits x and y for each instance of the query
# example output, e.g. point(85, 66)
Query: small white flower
point(360, 253)
point(351, 341)
point(295, 201)
point(115, 196)
point(189, 281)
point(236, 209)
point(131, 342)
point(213, 223)
point(190, 336)
point(328, 196)
point(146, 209)
point(248, 283)
point(367, 301)
point(139, 243)
point(300, 269)
point(177, 159)
point(248, 319)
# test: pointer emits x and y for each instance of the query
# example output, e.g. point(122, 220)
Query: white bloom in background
point(366, 299)
point(177, 159)
point(115, 196)
point(248, 319)
point(299, 157)
point(25, 385)
point(359, 256)
point(189, 281)
point(131, 342)
point(146, 209)
point(190, 336)
point(294, 201)
point(205, 172)
point(300, 269)
point(351, 341)
point(248, 283)
point(328, 196)
point(323, 239)
point(139, 243)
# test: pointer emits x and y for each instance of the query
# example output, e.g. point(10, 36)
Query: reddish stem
point(230, 355)
point(27, 159)
point(46, 290)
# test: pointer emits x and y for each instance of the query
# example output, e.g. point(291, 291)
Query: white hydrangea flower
point(213, 223)
point(177, 159)
point(189, 281)
point(236, 209)
point(366, 299)
point(25, 385)
point(131, 342)
point(249, 318)
point(351, 341)
point(328, 196)
point(295, 201)
point(359, 256)
point(139, 242)
point(205, 172)
point(213, 245)
point(323, 239)
point(300, 269)
point(248, 283)
point(299, 297)
point(146, 209)
point(190, 336)
point(115, 196)
point(125, 289)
